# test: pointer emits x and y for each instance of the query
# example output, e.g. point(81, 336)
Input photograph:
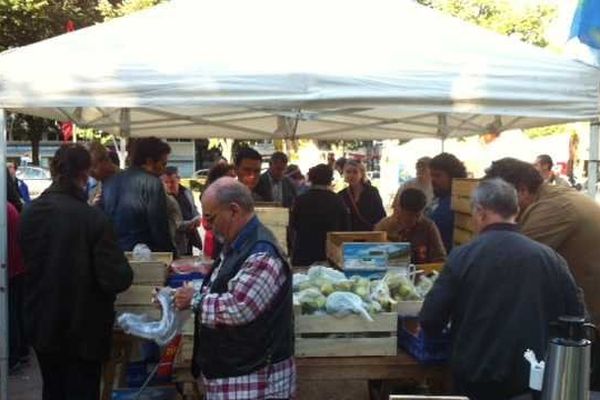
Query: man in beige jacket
point(561, 218)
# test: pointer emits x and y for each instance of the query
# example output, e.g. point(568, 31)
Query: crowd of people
point(533, 260)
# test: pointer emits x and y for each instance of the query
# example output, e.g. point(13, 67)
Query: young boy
point(408, 224)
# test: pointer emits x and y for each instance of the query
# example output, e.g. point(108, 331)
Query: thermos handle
point(591, 327)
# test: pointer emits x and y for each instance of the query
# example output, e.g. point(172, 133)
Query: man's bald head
point(227, 206)
point(227, 190)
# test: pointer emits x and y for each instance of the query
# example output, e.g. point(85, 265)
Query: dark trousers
point(69, 379)
point(16, 332)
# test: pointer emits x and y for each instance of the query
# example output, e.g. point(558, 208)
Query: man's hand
point(183, 297)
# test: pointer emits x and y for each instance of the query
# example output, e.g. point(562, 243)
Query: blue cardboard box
point(375, 256)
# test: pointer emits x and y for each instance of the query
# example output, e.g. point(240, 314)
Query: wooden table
point(348, 378)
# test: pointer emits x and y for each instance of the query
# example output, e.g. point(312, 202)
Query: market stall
point(389, 70)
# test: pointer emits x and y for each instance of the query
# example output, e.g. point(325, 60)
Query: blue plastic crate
point(425, 349)
point(138, 372)
point(177, 280)
point(150, 351)
point(150, 393)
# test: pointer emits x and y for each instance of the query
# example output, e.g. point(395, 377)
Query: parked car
point(37, 179)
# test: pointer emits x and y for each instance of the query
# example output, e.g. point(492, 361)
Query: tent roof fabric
point(340, 69)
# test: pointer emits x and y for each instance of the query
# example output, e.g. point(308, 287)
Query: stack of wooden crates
point(277, 220)
point(147, 275)
point(462, 192)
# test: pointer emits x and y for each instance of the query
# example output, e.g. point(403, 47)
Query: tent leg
point(4, 352)
point(125, 132)
point(593, 158)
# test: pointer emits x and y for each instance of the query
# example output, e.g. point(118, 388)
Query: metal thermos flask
point(567, 371)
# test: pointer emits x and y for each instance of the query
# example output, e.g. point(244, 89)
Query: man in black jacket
point(273, 185)
point(135, 199)
point(500, 292)
point(74, 271)
point(315, 213)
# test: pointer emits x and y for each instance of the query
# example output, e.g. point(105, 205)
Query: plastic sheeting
point(384, 69)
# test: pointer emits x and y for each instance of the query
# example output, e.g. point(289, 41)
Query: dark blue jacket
point(500, 292)
point(443, 216)
point(136, 203)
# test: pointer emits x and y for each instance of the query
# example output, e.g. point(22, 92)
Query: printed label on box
point(375, 256)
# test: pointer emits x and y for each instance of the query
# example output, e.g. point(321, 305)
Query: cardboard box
point(336, 240)
point(375, 256)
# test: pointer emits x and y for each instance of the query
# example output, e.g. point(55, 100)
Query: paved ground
point(26, 384)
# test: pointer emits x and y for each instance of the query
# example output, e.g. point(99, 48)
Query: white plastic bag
point(342, 304)
point(141, 252)
point(327, 274)
point(380, 292)
point(297, 280)
point(163, 331)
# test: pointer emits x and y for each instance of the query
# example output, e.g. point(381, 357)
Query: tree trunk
point(35, 151)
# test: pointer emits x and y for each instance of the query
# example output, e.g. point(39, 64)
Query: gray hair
point(498, 196)
point(228, 190)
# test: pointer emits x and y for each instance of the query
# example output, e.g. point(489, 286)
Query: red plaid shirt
point(250, 294)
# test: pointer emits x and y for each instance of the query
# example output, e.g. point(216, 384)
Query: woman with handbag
point(361, 198)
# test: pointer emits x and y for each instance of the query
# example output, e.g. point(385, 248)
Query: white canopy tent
point(336, 69)
point(388, 69)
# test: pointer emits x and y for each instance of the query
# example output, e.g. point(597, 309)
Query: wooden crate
point(273, 216)
point(350, 336)
point(164, 257)
point(186, 351)
point(136, 295)
point(462, 191)
point(149, 272)
point(280, 233)
point(409, 308)
point(464, 222)
point(462, 237)
point(335, 241)
point(429, 268)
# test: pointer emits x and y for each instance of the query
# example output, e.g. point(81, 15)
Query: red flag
point(70, 26)
point(67, 130)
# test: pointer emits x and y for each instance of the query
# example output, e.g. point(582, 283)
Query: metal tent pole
point(3, 265)
point(443, 130)
point(593, 159)
point(124, 133)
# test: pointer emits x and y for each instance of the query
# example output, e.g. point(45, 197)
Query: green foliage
point(23, 22)
point(550, 130)
point(93, 135)
point(108, 10)
point(527, 23)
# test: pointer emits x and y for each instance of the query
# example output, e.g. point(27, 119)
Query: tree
point(114, 9)
point(527, 23)
point(23, 22)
